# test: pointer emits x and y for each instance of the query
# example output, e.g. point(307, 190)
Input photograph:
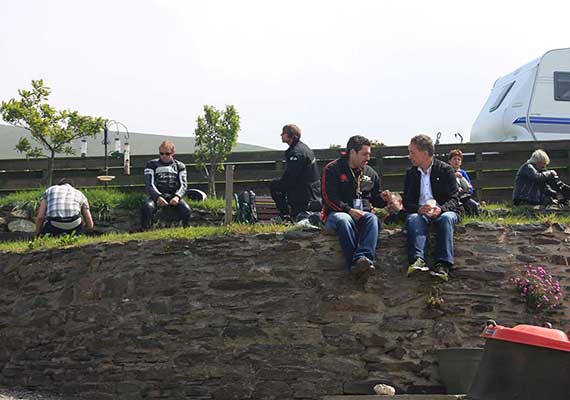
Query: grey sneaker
point(441, 271)
point(418, 266)
point(362, 268)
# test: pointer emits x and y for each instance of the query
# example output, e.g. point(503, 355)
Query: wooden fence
point(491, 166)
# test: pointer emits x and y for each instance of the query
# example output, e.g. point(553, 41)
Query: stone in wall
point(20, 213)
point(21, 225)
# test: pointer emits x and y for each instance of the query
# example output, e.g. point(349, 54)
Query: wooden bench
point(266, 208)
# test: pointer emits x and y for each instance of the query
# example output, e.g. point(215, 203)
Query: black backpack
point(246, 213)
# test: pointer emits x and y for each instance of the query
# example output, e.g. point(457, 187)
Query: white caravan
point(531, 103)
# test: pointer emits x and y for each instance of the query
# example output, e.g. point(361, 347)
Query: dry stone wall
point(271, 316)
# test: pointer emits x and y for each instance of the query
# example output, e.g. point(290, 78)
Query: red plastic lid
point(530, 335)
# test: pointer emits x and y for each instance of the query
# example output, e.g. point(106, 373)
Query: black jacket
point(165, 179)
point(301, 179)
point(443, 186)
point(339, 186)
point(531, 184)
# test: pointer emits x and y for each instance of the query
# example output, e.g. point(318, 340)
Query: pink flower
point(537, 288)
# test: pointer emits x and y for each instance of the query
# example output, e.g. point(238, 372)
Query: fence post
point(229, 189)
point(567, 166)
point(479, 176)
point(379, 164)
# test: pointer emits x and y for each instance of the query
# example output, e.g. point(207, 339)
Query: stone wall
point(258, 317)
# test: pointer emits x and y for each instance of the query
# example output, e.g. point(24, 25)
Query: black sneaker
point(440, 270)
point(418, 266)
point(362, 268)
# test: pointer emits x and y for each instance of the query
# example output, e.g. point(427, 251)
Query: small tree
point(53, 130)
point(216, 135)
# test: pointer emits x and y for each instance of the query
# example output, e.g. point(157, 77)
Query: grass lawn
point(158, 234)
point(106, 199)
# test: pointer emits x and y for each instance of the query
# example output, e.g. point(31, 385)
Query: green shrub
point(102, 200)
point(18, 198)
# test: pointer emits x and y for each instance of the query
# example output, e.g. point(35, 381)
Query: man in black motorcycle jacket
point(165, 183)
point(298, 191)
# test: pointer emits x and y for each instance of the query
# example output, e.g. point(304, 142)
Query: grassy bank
point(158, 234)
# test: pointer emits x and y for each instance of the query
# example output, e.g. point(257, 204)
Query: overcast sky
point(386, 70)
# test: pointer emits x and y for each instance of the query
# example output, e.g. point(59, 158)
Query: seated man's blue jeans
point(357, 239)
point(417, 226)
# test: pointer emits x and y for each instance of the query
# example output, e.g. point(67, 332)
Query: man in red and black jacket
point(350, 188)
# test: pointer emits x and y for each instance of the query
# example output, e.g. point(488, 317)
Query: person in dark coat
point(536, 185)
point(431, 196)
point(298, 191)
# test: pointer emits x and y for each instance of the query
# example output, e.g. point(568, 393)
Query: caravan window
point(562, 86)
point(504, 92)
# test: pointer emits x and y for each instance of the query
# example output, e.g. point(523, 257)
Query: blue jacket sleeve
point(466, 176)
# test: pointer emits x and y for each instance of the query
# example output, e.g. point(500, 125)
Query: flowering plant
point(537, 288)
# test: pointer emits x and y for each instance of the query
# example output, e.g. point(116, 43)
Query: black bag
point(246, 212)
point(470, 206)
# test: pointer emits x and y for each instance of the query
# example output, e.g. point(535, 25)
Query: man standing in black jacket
point(299, 189)
point(431, 196)
point(166, 184)
point(350, 188)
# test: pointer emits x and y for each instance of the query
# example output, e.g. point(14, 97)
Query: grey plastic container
point(457, 367)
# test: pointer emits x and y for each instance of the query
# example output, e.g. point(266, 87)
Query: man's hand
point(356, 214)
point(435, 212)
point(430, 211)
point(174, 201)
point(394, 207)
point(553, 173)
point(386, 195)
point(458, 174)
point(425, 209)
point(161, 202)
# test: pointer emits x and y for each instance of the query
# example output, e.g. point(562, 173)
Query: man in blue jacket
point(350, 189)
point(431, 196)
point(166, 184)
point(299, 189)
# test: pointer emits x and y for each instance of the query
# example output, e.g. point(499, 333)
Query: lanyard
point(357, 180)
